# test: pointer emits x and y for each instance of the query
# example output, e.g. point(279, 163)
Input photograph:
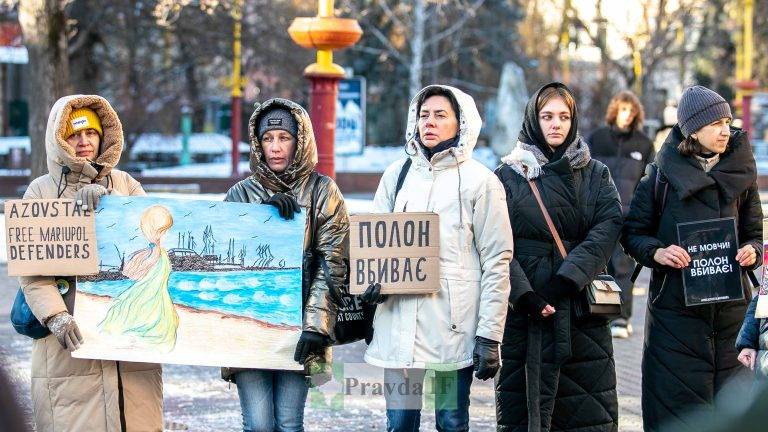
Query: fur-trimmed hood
point(305, 158)
point(60, 154)
point(469, 125)
point(528, 160)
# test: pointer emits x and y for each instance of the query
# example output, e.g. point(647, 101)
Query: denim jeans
point(272, 400)
point(404, 404)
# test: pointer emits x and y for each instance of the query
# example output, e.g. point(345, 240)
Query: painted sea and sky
point(193, 282)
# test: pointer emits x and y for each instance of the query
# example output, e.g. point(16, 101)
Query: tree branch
point(469, 13)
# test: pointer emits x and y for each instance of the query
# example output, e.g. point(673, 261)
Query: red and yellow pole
point(237, 85)
point(324, 33)
point(745, 83)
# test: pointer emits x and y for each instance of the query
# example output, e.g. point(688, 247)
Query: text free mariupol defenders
point(41, 243)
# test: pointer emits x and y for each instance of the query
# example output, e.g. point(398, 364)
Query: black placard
point(714, 275)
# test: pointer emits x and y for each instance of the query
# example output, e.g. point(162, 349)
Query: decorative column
point(324, 33)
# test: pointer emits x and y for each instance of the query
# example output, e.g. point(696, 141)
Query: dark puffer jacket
point(320, 300)
point(558, 373)
point(625, 154)
point(689, 352)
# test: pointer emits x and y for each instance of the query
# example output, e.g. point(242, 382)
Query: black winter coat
point(559, 372)
point(625, 154)
point(689, 352)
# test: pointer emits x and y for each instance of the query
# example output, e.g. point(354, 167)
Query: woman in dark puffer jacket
point(557, 370)
point(708, 167)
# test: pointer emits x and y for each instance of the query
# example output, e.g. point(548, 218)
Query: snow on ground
point(199, 143)
point(373, 160)
point(213, 169)
point(8, 143)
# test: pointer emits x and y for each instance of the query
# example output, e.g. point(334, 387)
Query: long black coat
point(559, 372)
point(689, 352)
point(625, 154)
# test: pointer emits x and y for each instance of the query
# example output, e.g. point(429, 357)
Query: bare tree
point(44, 24)
point(400, 21)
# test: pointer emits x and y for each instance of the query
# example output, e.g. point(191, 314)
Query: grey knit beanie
point(278, 118)
point(698, 107)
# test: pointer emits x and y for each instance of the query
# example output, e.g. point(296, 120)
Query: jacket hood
point(733, 174)
point(531, 131)
point(305, 158)
point(469, 123)
point(60, 154)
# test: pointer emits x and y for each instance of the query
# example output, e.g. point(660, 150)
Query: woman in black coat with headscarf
point(707, 171)
point(557, 370)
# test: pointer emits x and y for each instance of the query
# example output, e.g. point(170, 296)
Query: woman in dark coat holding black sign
point(557, 371)
point(705, 170)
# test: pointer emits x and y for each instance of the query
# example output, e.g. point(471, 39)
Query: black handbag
point(603, 295)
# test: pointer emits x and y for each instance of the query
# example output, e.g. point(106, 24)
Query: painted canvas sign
point(193, 282)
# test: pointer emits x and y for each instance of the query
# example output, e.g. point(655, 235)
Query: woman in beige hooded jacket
point(70, 394)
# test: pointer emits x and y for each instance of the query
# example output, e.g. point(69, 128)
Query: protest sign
point(176, 275)
point(49, 237)
point(401, 251)
point(713, 275)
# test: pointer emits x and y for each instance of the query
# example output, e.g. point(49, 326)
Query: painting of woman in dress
point(145, 309)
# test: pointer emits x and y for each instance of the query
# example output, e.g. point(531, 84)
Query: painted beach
point(204, 338)
point(193, 282)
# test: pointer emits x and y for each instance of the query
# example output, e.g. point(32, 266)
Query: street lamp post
point(324, 33)
point(237, 92)
point(745, 83)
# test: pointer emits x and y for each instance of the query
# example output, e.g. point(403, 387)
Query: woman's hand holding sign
point(673, 256)
point(746, 256)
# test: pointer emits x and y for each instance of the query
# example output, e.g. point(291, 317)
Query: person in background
point(668, 121)
point(623, 147)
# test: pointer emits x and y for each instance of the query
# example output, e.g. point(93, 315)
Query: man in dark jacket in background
point(624, 148)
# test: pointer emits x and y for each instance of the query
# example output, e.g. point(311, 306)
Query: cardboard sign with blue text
point(401, 251)
point(50, 237)
point(714, 275)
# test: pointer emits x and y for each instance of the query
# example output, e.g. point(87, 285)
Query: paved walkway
point(195, 397)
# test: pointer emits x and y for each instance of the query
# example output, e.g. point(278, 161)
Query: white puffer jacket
point(437, 331)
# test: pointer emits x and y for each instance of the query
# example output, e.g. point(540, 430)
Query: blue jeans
point(404, 399)
point(272, 400)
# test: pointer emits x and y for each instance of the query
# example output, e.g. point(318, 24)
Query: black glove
point(556, 289)
point(485, 358)
point(373, 295)
point(309, 342)
point(286, 205)
point(531, 303)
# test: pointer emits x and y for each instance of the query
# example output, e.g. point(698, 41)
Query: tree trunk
point(43, 24)
point(417, 48)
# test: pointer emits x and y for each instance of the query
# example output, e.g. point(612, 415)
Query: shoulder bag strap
point(550, 224)
point(401, 177)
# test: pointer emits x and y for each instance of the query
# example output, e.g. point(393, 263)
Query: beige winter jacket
point(71, 394)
